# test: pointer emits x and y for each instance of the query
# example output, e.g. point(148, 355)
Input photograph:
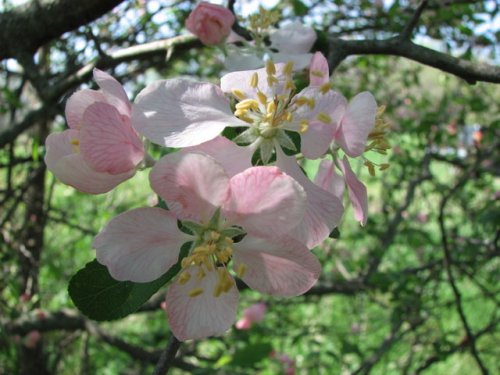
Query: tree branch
point(408, 30)
point(470, 71)
point(167, 356)
point(28, 27)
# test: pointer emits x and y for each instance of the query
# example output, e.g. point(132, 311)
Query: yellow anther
point(323, 117)
point(195, 292)
point(288, 116)
point(288, 69)
point(242, 269)
point(383, 166)
point(271, 107)
point(200, 274)
point(262, 97)
point(312, 103)
point(241, 113)
point(317, 73)
point(184, 278)
point(238, 94)
point(304, 125)
point(247, 104)
point(229, 240)
point(380, 110)
point(75, 142)
point(214, 235)
point(302, 100)
point(270, 68)
point(325, 87)
point(271, 80)
point(254, 80)
point(186, 262)
point(217, 290)
point(371, 168)
point(289, 85)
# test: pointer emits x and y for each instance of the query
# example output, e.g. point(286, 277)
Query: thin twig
point(408, 30)
point(167, 356)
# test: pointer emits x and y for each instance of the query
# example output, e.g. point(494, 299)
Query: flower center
point(212, 253)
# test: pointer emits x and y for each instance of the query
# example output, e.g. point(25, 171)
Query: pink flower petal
point(357, 192)
point(323, 210)
point(243, 324)
point(78, 103)
point(233, 158)
point(319, 72)
point(108, 141)
point(70, 168)
point(283, 267)
point(358, 121)
point(114, 92)
point(328, 179)
point(265, 201)
point(317, 139)
point(256, 312)
point(193, 184)
point(140, 245)
point(181, 113)
point(294, 38)
point(204, 315)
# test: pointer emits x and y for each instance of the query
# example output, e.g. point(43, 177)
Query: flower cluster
point(242, 204)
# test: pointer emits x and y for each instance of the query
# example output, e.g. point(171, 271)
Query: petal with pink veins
point(357, 123)
point(357, 192)
point(323, 211)
point(67, 164)
point(194, 185)
point(108, 141)
point(203, 315)
point(181, 113)
point(265, 201)
point(140, 245)
point(328, 179)
point(283, 267)
point(319, 72)
point(78, 103)
point(234, 158)
point(114, 92)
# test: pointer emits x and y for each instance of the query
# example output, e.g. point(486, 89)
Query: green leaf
point(335, 233)
point(299, 8)
point(251, 354)
point(100, 297)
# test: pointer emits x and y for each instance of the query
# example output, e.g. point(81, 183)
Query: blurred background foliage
point(414, 291)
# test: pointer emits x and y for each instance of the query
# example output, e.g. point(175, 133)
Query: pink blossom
point(293, 38)
point(100, 149)
point(140, 245)
point(181, 113)
point(210, 22)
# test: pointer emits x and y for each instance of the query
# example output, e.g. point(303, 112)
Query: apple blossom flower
point(100, 149)
point(253, 314)
point(181, 113)
point(210, 22)
point(260, 202)
point(32, 339)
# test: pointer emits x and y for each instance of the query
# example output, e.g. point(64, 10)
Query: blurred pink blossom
point(252, 314)
point(32, 339)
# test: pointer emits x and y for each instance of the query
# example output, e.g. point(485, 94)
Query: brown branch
point(408, 30)
point(451, 279)
point(29, 26)
point(470, 71)
point(167, 356)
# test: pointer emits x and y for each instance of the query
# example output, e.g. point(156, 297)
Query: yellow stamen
point(184, 278)
point(247, 104)
point(371, 168)
point(271, 107)
point(201, 274)
point(323, 117)
point(75, 142)
point(317, 73)
point(289, 85)
point(238, 94)
point(383, 166)
point(262, 97)
point(242, 269)
point(270, 68)
point(288, 69)
point(254, 81)
point(325, 87)
point(195, 292)
point(304, 125)
point(271, 80)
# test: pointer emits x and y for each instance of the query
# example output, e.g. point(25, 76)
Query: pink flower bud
point(243, 324)
point(256, 312)
point(211, 23)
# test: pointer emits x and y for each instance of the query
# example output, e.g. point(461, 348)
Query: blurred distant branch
point(29, 26)
point(167, 356)
point(408, 30)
